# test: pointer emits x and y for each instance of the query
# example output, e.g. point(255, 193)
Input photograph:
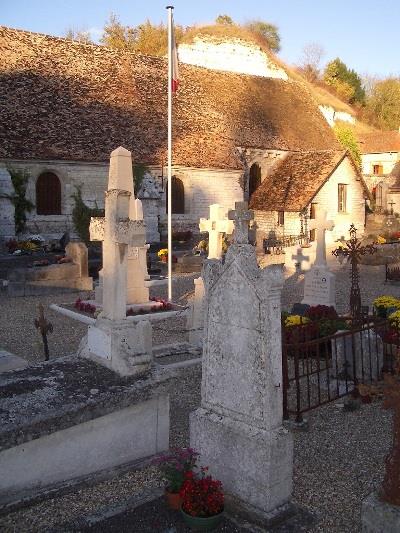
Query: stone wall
point(327, 199)
point(7, 226)
point(202, 188)
point(233, 55)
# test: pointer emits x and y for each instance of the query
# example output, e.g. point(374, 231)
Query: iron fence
point(276, 245)
point(317, 371)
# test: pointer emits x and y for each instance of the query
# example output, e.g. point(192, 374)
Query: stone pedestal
point(122, 346)
point(378, 516)
point(319, 286)
point(196, 315)
point(238, 428)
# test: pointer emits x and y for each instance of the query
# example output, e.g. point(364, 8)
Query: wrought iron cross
point(45, 327)
point(353, 251)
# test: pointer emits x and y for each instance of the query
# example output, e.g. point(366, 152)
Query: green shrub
point(19, 179)
point(81, 215)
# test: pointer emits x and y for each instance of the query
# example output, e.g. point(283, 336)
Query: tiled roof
point(66, 100)
point(379, 142)
point(296, 179)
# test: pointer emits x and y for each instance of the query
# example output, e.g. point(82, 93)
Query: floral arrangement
point(85, 307)
point(381, 240)
point(176, 466)
point(162, 253)
point(295, 320)
point(321, 312)
point(201, 496)
point(394, 319)
point(386, 302)
point(327, 319)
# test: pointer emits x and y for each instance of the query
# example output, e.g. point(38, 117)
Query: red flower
point(202, 496)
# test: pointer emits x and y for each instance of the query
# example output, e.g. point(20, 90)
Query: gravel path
point(337, 462)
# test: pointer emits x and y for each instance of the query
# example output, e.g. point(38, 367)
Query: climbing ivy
point(22, 205)
point(81, 215)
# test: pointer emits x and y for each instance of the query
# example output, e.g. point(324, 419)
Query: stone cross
point(216, 226)
point(241, 217)
point(121, 178)
point(321, 224)
point(121, 230)
point(300, 257)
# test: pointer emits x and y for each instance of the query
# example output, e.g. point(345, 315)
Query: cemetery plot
point(317, 371)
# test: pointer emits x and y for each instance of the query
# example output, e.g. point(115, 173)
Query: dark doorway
point(254, 178)
point(48, 194)
point(178, 196)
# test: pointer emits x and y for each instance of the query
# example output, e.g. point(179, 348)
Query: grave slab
point(70, 417)
point(378, 516)
point(9, 361)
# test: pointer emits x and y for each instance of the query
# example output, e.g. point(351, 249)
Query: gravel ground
point(337, 462)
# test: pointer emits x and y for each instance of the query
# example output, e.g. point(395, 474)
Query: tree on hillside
point(346, 82)
point(82, 36)
point(347, 139)
point(310, 61)
point(225, 20)
point(268, 32)
point(383, 105)
point(116, 35)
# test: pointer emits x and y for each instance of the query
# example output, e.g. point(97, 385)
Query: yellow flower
point(295, 320)
point(162, 252)
point(394, 320)
point(387, 301)
point(381, 240)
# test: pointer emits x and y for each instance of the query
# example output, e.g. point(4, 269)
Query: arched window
point(178, 196)
point(48, 194)
point(254, 178)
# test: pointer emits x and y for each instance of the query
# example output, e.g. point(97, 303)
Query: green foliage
point(224, 19)
point(115, 35)
point(139, 170)
point(151, 39)
point(384, 104)
point(81, 215)
point(346, 137)
point(346, 82)
point(267, 31)
point(19, 179)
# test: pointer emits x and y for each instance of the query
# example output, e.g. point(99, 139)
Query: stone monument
point(319, 281)
point(113, 340)
point(238, 428)
point(121, 174)
point(216, 226)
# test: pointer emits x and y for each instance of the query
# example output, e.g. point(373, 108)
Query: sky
point(363, 33)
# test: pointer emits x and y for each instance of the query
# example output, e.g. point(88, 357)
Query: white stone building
point(380, 153)
point(67, 105)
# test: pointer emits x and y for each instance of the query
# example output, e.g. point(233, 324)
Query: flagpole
point(169, 172)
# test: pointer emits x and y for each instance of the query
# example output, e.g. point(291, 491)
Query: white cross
point(241, 216)
point(216, 226)
point(321, 224)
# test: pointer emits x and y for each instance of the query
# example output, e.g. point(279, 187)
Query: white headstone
point(216, 226)
point(113, 340)
point(319, 281)
point(238, 428)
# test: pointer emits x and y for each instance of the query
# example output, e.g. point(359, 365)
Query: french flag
point(174, 57)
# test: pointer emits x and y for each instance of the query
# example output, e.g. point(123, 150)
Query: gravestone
point(319, 281)
point(238, 428)
point(137, 292)
point(114, 341)
point(216, 226)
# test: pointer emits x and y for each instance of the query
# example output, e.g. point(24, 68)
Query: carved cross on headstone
point(241, 217)
point(321, 224)
point(216, 226)
point(44, 328)
point(300, 257)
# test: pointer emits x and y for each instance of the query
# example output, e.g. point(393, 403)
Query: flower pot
point(174, 500)
point(164, 259)
point(200, 523)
